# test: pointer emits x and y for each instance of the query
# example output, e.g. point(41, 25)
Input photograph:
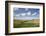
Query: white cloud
point(24, 18)
point(34, 13)
point(18, 15)
point(23, 14)
point(29, 13)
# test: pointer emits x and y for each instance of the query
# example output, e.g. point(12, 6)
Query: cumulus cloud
point(23, 14)
point(17, 14)
point(34, 13)
point(28, 13)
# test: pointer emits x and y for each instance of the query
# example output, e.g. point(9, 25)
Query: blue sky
point(26, 13)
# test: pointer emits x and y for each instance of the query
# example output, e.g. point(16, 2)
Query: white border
point(15, 30)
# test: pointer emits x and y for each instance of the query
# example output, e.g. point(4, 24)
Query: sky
point(26, 13)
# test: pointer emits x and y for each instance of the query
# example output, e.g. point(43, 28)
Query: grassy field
point(26, 23)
